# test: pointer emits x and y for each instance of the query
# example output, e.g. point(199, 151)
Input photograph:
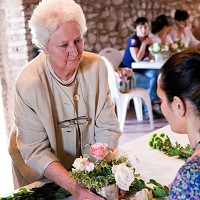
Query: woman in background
point(179, 91)
point(137, 50)
point(160, 29)
point(181, 31)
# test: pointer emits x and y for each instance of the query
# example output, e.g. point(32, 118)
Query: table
point(147, 65)
point(153, 163)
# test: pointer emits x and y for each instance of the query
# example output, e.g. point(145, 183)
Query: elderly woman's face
point(65, 47)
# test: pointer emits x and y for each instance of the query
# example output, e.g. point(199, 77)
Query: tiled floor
point(134, 129)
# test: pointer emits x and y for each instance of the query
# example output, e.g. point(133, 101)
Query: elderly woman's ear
point(45, 50)
point(179, 106)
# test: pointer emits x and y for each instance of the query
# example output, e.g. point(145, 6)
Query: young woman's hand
point(148, 41)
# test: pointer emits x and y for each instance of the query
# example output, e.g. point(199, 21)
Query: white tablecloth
point(153, 163)
point(147, 65)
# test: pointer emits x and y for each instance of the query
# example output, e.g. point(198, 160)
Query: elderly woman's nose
point(73, 50)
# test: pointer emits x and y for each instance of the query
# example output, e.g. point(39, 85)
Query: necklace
point(196, 146)
point(63, 82)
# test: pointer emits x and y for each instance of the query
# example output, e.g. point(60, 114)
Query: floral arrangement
point(158, 48)
point(163, 143)
point(125, 79)
point(179, 46)
point(114, 167)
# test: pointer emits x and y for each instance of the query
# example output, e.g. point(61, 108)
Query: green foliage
point(164, 144)
point(100, 177)
point(49, 191)
point(158, 190)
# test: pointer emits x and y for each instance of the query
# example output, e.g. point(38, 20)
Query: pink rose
point(99, 150)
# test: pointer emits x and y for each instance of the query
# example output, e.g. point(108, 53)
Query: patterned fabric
point(186, 184)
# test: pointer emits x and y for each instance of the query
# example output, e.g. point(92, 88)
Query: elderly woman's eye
point(78, 41)
point(64, 45)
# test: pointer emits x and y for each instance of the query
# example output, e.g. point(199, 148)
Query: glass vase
point(158, 57)
point(110, 192)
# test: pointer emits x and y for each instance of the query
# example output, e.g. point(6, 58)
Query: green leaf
point(64, 191)
point(159, 192)
point(164, 144)
point(152, 181)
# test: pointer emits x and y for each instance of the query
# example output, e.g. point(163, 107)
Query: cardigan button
point(76, 97)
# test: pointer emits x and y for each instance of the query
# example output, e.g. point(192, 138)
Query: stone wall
point(110, 23)
point(13, 51)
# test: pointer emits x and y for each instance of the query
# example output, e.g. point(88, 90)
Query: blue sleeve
point(134, 42)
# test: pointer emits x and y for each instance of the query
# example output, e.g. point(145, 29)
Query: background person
point(137, 50)
point(62, 100)
point(181, 31)
point(179, 91)
point(160, 29)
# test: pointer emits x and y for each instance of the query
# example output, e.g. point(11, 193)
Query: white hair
point(50, 14)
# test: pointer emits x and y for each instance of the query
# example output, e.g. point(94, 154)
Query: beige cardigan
point(34, 139)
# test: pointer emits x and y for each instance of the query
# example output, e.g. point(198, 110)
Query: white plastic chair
point(122, 99)
point(113, 55)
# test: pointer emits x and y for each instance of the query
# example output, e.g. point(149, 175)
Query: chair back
point(111, 79)
point(113, 55)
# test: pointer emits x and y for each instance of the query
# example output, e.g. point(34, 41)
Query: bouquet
point(179, 46)
point(158, 48)
point(125, 79)
point(113, 167)
point(109, 168)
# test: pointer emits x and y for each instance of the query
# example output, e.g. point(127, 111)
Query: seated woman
point(160, 29)
point(137, 50)
point(181, 31)
point(179, 91)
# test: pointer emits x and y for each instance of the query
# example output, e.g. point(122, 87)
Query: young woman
point(160, 29)
point(179, 91)
point(137, 50)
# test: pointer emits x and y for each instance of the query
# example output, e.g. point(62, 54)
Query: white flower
point(132, 159)
point(144, 194)
point(118, 153)
point(81, 164)
point(174, 46)
point(156, 47)
point(186, 45)
point(165, 48)
point(124, 176)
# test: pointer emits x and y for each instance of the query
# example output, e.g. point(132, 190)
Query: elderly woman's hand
point(85, 194)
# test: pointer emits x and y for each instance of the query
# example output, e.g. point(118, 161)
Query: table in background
point(147, 65)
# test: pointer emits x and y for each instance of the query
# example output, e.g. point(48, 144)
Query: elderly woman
point(179, 91)
point(62, 100)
